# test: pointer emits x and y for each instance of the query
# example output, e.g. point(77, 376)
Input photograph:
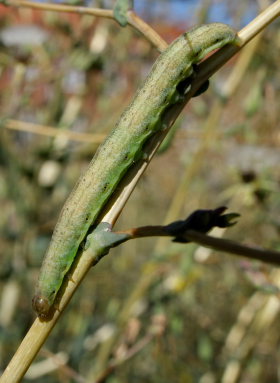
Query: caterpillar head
point(42, 306)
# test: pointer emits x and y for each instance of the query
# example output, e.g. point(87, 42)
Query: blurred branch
point(137, 347)
point(107, 13)
point(135, 21)
point(254, 321)
point(156, 330)
point(52, 363)
point(53, 132)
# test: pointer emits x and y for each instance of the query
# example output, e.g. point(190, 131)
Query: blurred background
point(152, 310)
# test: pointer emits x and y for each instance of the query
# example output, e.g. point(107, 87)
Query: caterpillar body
point(142, 118)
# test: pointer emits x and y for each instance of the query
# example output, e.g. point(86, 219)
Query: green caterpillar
point(164, 86)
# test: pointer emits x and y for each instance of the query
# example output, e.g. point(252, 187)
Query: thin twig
point(232, 247)
point(219, 244)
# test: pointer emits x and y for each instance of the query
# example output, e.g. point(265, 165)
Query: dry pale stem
point(53, 132)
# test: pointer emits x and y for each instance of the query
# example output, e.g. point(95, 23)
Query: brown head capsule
point(41, 306)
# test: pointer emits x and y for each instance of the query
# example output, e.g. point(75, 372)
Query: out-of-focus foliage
point(184, 313)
